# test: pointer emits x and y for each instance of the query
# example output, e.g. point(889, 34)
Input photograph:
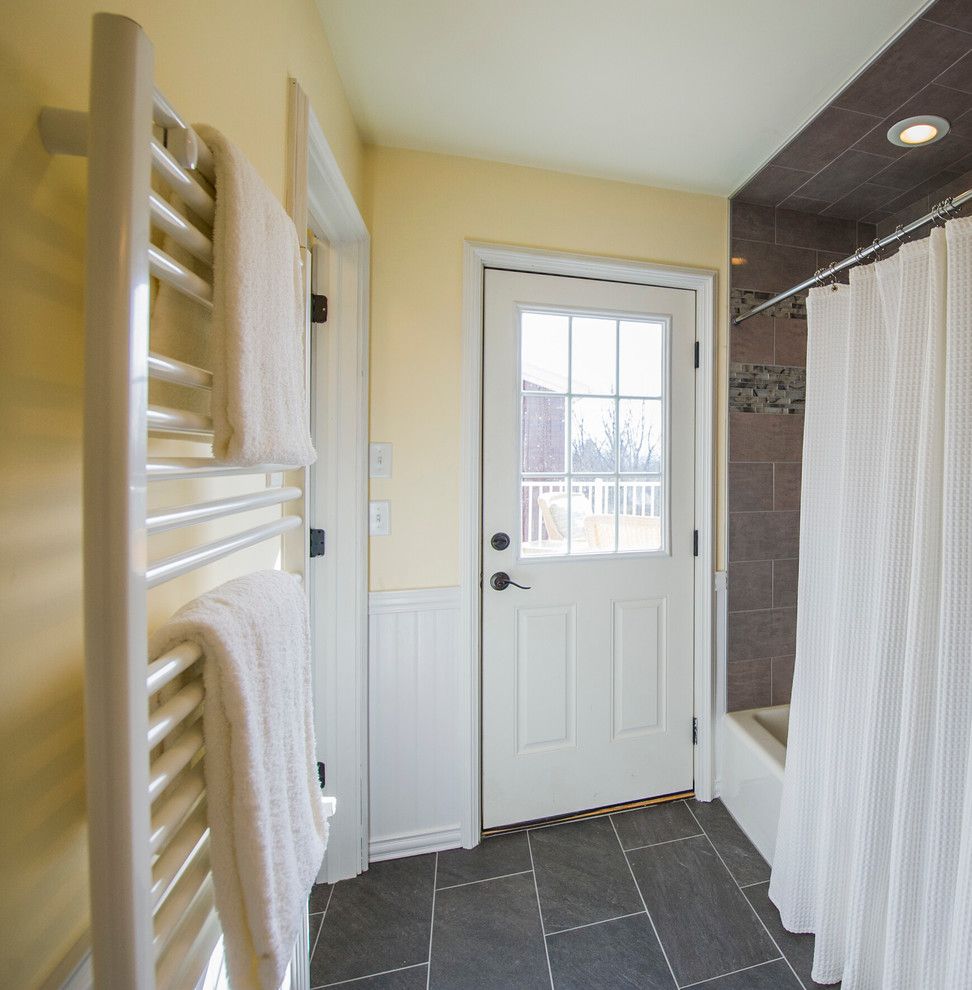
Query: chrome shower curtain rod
point(943, 211)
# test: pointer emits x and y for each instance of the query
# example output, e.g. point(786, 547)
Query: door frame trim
point(477, 257)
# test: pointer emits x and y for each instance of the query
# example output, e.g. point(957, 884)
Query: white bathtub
point(754, 753)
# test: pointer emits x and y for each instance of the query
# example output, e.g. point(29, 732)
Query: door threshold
point(577, 816)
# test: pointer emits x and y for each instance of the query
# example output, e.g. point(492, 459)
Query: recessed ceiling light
point(913, 131)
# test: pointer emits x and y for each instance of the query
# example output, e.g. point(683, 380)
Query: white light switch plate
point(380, 460)
point(379, 518)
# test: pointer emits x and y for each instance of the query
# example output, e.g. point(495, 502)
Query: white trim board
point(477, 257)
point(338, 582)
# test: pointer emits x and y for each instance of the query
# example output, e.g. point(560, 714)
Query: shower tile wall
point(772, 249)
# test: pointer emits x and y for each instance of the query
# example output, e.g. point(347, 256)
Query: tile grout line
point(747, 900)
point(745, 969)
point(357, 979)
point(536, 889)
point(664, 842)
point(435, 880)
point(591, 924)
point(469, 883)
point(317, 937)
point(641, 897)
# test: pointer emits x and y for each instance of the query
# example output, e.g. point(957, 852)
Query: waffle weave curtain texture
point(874, 853)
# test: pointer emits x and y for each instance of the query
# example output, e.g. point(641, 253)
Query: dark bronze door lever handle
point(500, 581)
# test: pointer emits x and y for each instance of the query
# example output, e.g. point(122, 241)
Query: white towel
point(256, 350)
point(267, 818)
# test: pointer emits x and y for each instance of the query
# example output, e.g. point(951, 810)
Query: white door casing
point(588, 676)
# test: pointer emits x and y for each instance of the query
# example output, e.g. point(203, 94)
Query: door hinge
point(695, 543)
point(697, 354)
point(319, 308)
point(695, 732)
point(317, 541)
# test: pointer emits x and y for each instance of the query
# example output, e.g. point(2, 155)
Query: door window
point(593, 437)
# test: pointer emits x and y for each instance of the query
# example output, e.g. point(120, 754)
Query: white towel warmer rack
point(153, 924)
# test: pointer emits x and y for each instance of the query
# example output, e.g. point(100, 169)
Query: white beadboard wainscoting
point(415, 751)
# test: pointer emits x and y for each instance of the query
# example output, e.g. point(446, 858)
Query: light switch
point(379, 518)
point(380, 460)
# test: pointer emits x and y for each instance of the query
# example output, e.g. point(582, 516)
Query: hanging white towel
point(255, 346)
point(267, 818)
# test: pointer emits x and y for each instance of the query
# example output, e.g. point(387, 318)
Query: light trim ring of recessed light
point(915, 132)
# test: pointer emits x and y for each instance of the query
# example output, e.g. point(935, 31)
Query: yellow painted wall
point(226, 62)
point(420, 208)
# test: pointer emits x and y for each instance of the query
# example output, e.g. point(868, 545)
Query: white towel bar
point(153, 925)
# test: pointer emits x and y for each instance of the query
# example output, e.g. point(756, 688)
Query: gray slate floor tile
point(661, 823)
point(797, 948)
point(704, 922)
point(413, 978)
point(496, 857)
point(615, 955)
point(740, 855)
point(773, 976)
point(487, 936)
point(318, 898)
point(581, 874)
point(376, 922)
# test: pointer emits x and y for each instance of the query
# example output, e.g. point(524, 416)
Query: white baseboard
point(415, 843)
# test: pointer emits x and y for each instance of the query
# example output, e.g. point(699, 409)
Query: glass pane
point(640, 514)
point(593, 368)
point(543, 516)
point(543, 352)
point(640, 435)
point(592, 435)
point(543, 433)
point(640, 364)
point(592, 502)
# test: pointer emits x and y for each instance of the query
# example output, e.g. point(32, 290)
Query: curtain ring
point(899, 233)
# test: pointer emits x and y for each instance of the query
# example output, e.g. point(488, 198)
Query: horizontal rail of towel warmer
point(166, 268)
point(188, 515)
point(184, 233)
point(188, 888)
point(175, 808)
point(187, 958)
point(174, 760)
point(174, 712)
point(190, 560)
point(186, 846)
point(184, 468)
point(170, 665)
point(162, 419)
point(166, 116)
point(182, 183)
point(166, 369)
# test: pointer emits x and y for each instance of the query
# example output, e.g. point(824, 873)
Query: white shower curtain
point(874, 853)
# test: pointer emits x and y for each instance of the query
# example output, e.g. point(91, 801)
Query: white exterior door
point(588, 471)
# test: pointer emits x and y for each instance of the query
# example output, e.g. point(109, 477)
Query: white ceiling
point(689, 94)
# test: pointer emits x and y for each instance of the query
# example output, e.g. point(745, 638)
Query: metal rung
point(173, 911)
point(168, 369)
point(187, 845)
point(187, 959)
point(188, 515)
point(184, 233)
point(184, 468)
point(174, 760)
point(168, 817)
point(175, 711)
point(166, 268)
point(181, 182)
point(170, 665)
point(189, 560)
point(162, 419)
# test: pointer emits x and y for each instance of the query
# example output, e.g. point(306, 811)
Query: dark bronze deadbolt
point(499, 541)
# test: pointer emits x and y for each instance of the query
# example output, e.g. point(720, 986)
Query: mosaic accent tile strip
point(743, 300)
point(767, 388)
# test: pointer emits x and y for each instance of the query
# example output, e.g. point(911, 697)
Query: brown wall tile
point(782, 679)
point(769, 267)
point(786, 486)
point(763, 535)
point(756, 223)
point(765, 437)
point(749, 685)
point(765, 633)
point(750, 585)
point(790, 343)
point(753, 342)
point(785, 575)
point(772, 185)
point(819, 233)
point(750, 487)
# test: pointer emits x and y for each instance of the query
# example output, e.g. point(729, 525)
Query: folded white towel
point(256, 346)
point(267, 818)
